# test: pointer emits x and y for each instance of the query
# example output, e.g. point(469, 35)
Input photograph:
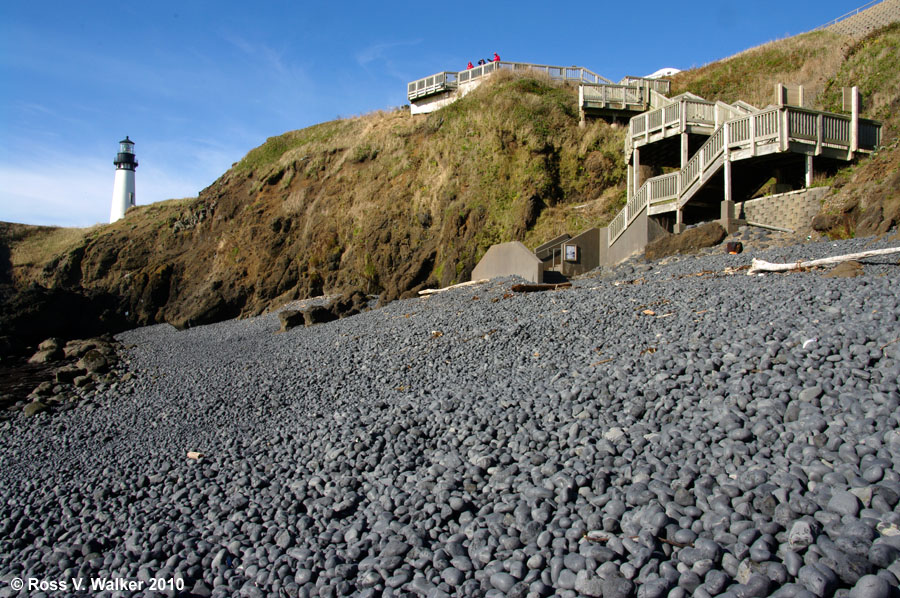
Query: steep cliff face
point(386, 203)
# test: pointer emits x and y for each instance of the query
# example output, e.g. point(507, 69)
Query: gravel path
point(717, 434)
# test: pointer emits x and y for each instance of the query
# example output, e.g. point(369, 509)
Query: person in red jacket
point(469, 66)
point(496, 57)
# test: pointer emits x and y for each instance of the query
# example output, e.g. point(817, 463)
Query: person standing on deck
point(469, 66)
point(496, 57)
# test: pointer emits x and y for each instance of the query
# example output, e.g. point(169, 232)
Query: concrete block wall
point(794, 210)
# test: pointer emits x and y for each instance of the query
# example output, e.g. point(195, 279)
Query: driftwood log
point(764, 266)
point(455, 286)
point(534, 288)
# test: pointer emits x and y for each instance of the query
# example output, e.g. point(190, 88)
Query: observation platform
point(597, 95)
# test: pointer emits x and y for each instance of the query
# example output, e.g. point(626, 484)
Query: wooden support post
point(581, 120)
point(809, 171)
point(726, 159)
point(820, 132)
point(637, 170)
point(679, 220)
point(752, 134)
point(783, 124)
point(629, 185)
point(684, 148)
point(854, 123)
point(727, 210)
point(726, 172)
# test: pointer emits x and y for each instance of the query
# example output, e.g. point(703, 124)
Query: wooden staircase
point(742, 151)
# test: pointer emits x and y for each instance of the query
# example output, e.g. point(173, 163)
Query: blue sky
point(198, 84)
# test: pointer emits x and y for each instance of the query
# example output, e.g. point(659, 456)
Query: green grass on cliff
point(808, 59)
point(873, 65)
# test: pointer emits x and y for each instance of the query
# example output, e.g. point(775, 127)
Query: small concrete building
point(508, 259)
point(581, 253)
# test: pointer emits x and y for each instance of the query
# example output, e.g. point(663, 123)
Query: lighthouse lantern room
point(123, 187)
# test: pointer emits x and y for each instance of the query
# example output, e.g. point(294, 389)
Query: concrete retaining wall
point(642, 231)
point(794, 210)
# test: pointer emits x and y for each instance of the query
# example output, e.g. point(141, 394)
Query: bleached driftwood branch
point(455, 286)
point(764, 266)
point(536, 288)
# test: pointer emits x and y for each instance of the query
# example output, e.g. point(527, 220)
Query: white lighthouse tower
point(123, 188)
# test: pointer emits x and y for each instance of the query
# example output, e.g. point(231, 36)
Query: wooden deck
point(745, 138)
point(629, 96)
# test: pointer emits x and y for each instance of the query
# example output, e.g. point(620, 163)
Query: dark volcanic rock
point(349, 304)
point(94, 362)
point(68, 373)
point(290, 318)
point(317, 314)
point(690, 241)
point(37, 313)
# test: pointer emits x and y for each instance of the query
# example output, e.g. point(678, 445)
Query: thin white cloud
point(381, 51)
point(264, 56)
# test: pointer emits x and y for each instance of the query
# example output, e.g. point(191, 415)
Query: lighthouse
point(123, 188)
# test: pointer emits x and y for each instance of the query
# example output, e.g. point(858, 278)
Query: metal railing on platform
point(447, 80)
point(852, 13)
point(432, 84)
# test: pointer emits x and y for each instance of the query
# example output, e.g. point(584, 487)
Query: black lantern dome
point(125, 158)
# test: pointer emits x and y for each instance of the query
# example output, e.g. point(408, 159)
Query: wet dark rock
point(690, 241)
point(290, 318)
point(33, 408)
point(67, 374)
point(49, 350)
point(94, 362)
point(317, 314)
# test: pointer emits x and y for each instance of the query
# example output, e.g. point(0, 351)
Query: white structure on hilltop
point(123, 188)
point(663, 72)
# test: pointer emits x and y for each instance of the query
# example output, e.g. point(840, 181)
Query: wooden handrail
point(852, 13)
point(422, 87)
